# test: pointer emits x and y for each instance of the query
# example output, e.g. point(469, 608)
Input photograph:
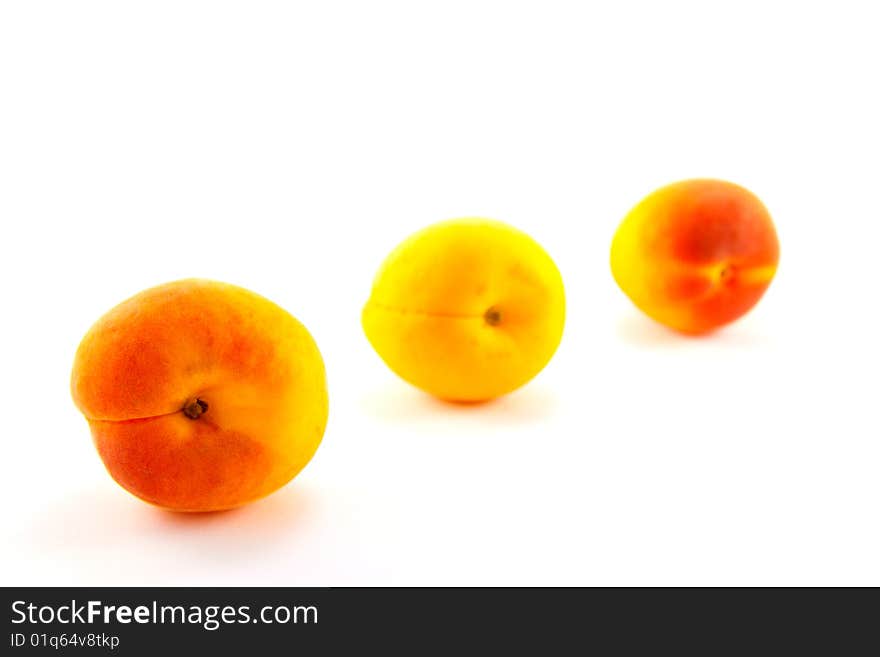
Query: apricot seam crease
point(424, 313)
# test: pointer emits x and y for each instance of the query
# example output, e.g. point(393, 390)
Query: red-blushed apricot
point(696, 255)
point(200, 395)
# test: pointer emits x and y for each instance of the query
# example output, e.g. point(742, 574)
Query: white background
point(287, 147)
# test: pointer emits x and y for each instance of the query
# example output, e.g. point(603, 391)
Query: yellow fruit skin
point(466, 309)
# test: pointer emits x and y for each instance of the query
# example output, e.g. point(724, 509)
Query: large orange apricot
point(200, 395)
point(467, 309)
point(696, 255)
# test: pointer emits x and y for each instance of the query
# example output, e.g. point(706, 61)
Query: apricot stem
point(492, 316)
point(195, 408)
point(726, 272)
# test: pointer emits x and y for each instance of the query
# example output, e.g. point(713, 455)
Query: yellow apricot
point(466, 309)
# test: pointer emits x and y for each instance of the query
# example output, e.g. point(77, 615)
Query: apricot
point(466, 309)
point(200, 395)
point(696, 254)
